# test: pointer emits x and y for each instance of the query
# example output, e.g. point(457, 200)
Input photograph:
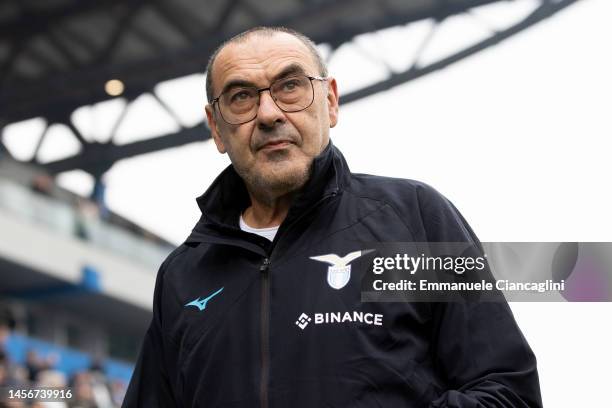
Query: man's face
point(273, 152)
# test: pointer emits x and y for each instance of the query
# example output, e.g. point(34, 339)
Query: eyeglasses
point(239, 104)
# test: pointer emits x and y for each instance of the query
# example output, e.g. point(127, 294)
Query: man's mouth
point(276, 144)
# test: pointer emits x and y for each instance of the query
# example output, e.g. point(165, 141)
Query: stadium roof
point(57, 56)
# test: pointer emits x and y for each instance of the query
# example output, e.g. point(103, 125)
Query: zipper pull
point(265, 265)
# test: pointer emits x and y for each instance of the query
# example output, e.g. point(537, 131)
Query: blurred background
point(503, 106)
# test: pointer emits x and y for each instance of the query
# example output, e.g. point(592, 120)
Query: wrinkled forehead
point(260, 58)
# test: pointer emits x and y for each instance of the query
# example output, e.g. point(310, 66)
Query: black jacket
point(234, 315)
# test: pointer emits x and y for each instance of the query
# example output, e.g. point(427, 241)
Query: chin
point(287, 178)
point(281, 177)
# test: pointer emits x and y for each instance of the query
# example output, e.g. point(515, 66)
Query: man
point(235, 308)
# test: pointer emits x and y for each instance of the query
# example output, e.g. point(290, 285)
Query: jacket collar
point(227, 197)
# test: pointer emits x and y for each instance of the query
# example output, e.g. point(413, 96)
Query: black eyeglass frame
point(260, 90)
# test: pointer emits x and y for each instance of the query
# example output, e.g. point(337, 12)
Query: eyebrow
point(289, 70)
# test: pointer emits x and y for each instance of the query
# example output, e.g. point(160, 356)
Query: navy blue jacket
point(239, 321)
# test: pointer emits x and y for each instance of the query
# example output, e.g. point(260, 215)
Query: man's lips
point(276, 144)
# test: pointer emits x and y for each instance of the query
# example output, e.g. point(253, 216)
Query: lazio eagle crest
point(339, 273)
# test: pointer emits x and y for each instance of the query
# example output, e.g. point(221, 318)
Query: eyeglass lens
point(292, 94)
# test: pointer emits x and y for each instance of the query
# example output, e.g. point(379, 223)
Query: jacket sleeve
point(484, 357)
point(477, 346)
point(150, 386)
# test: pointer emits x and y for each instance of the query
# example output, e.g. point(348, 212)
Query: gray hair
point(269, 31)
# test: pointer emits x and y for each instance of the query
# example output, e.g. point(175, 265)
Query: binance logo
point(303, 321)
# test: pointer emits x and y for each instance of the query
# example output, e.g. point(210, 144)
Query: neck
point(268, 212)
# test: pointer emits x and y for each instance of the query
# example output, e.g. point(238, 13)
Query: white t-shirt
point(268, 233)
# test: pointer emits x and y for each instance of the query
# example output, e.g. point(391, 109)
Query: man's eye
point(240, 96)
point(290, 85)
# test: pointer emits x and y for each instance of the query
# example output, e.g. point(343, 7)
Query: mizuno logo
point(339, 273)
point(201, 303)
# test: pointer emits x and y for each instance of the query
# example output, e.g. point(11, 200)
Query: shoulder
point(394, 190)
point(419, 205)
point(175, 256)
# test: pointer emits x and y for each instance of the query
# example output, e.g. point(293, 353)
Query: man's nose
point(268, 113)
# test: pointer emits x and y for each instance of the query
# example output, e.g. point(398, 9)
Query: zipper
point(265, 328)
point(264, 269)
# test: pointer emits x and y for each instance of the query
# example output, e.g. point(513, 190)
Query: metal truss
point(76, 81)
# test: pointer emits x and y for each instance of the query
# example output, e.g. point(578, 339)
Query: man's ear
point(214, 129)
point(332, 101)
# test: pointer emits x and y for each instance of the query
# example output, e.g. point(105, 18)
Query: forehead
point(260, 57)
